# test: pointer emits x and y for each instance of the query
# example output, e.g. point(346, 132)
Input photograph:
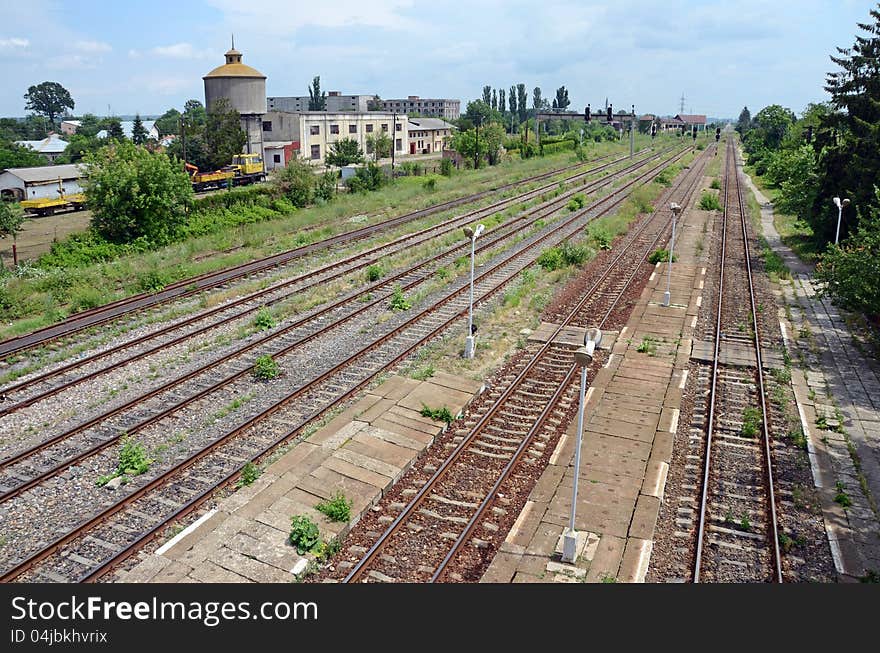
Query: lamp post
point(840, 204)
point(473, 234)
point(582, 357)
point(676, 209)
point(393, 139)
point(477, 149)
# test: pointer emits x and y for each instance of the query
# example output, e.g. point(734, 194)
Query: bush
point(446, 167)
point(366, 178)
point(710, 202)
point(398, 301)
point(266, 369)
point(249, 474)
point(430, 184)
point(551, 259)
point(296, 182)
point(264, 319)
point(661, 256)
point(153, 281)
point(715, 185)
point(304, 534)
point(600, 236)
point(325, 186)
point(374, 273)
point(337, 509)
point(567, 254)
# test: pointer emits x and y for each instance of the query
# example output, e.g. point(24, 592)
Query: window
point(267, 125)
point(276, 158)
point(314, 130)
point(316, 151)
point(398, 144)
point(398, 127)
point(370, 129)
point(385, 127)
point(352, 129)
point(334, 129)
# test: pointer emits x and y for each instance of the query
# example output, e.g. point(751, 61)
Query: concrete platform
point(631, 416)
point(361, 453)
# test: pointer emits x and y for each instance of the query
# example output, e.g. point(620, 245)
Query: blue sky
point(138, 56)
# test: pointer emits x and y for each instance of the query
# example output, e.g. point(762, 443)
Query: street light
point(676, 209)
point(473, 234)
point(582, 357)
point(840, 206)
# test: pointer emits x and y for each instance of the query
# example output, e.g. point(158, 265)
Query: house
point(691, 121)
point(70, 126)
point(671, 124)
point(50, 147)
point(40, 182)
point(427, 135)
point(128, 128)
point(313, 132)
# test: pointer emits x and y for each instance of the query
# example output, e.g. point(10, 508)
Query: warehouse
point(40, 182)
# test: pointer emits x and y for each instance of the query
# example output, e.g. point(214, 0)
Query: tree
point(224, 136)
point(49, 99)
point(344, 152)
point(494, 99)
point(90, 125)
point(16, 156)
point(296, 181)
point(317, 99)
point(478, 112)
point(194, 113)
point(78, 145)
point(487, 94)
point(168, 122)
point(537, 101)
point(502, 101)
point(489, 147)
point(374, 104)
point(512, 99)
point(744, 123)
point(521, 99)
point(138, 131)
point(134, 193)
point(379, 145)
point(775, 122)
point(11, 219)
point(849, 137)
point(561, 101)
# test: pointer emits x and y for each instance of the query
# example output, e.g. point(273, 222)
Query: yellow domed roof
point(235, 70)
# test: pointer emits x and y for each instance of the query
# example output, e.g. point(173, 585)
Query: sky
point(131, 56)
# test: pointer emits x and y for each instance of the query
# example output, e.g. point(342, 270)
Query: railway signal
point(694, 133)
point(610, 113)
point(473, 234)
point(717, 134)
point(587, 117)
point(667, 296)
point(653, 131)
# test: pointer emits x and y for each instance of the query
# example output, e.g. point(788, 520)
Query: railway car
point(48, 205)
point(244, 169)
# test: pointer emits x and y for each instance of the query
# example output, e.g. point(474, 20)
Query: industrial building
point(50, 147)
point(427, 135)
point(441, 108)
point(40, 182)
point(313, 132)
point(335, 103)
point(245, 88)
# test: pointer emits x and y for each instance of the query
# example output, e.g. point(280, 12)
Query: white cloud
point(278, 16)
point(70, 62)
point(92, 47)
point(179, 51)
point(14, 43)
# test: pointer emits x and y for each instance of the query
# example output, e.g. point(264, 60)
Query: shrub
point(304, 534)
point(551, 259)
point(374, 273)
point(264, 319)
point(133, 461)
point(438, 414)
point(446, 167)
point(366, 178)
point(716, 185)
point(751, 422)
point(325, 186)
point(265, 368)
point(153, 281)
point(296, 181)
point(430, 184)
point(710, 202)
point(398, 301)
point(563, 255)
point(337, 509)
point(661, 256)
point(249, 474)
point(600, 236)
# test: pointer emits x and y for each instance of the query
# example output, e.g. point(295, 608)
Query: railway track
point(33, 465)
point(193, 285)
point(39, 387)
point(450, 527)
point(736, 535)
point(85, 551)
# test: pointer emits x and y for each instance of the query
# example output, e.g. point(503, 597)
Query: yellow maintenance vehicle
point(244, 169)
point(48, 205)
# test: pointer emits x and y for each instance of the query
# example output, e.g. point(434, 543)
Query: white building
point(335, 102)
point(50, 147)
point(128, 129)
point(40, 182)
point(427, 135)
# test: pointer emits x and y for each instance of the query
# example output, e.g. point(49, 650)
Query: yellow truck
point(244, 169)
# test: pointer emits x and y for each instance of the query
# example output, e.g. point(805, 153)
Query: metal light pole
point(676, 209)
point(393, 139)
point(632, 132)
point(840, 206)
point(473, 234)
point(582, 357)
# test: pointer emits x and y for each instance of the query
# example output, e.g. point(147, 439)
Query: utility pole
point(393, 139)
point(681, 110)
point(632, 132)
point(477, 149)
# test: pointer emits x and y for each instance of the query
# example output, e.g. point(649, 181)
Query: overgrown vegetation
point(709, 202)
point(398, 302)
point(442, 414)
point(564, 255)
point(249, 473)
point(752, 421)
point(304, 534)
point(133, 461)
point(661, 256)
point(266, 368)
point(337, 508)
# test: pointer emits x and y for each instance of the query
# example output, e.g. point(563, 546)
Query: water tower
point(245, 88)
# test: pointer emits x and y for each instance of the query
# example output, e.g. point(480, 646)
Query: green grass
point(438, 414)
point(249, 473)
point(709, 202)
point(337, 509)
point(266, 369)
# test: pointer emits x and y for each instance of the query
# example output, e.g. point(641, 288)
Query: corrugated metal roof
point(52, 144)
point(430, 123)
point(234, 70)
point(692, 118)
point(47, 173)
